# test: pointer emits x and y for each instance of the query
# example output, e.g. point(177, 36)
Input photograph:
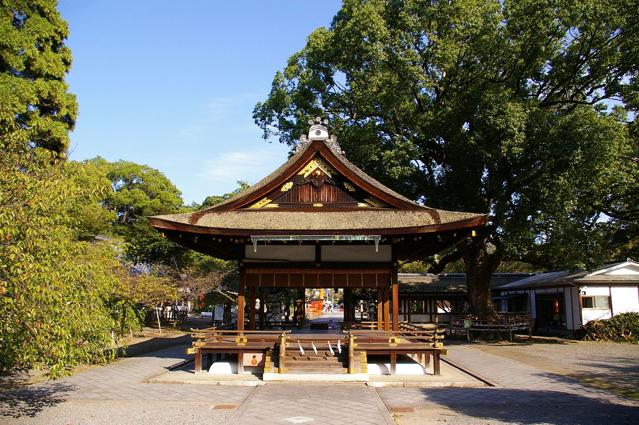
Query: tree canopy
point(519, 109)
point(34, 61)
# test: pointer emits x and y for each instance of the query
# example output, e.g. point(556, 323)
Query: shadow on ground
point(621, 378)
point(519, 406)
point(29, 401)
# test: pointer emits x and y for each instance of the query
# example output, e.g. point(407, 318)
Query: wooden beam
point(240, 301)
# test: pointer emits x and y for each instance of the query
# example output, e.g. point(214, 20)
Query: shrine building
point(318, 221)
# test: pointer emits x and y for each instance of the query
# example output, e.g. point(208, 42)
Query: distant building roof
point(626, 272)
point(449, 282)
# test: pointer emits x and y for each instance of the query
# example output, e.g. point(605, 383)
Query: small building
point(562, 301)
point(432, 298)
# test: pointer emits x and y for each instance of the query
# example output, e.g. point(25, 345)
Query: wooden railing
point(347, 326)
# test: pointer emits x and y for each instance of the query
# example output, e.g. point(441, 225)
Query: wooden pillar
point(262, 312)
point(347, 305)
point(240, 301)
point(380, 309)
point(387, 308)
point(240, 362)
point(198, 360)
point(409, 303)
point(301, 307)
point(251, 306)
point(395, 297)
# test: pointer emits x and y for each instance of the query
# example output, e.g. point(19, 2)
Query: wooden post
point(380, 309)
point(240, 362)
point(282, 368)
point(198, 360)
point(251, 308)
point(387, 309)
point(262, 312)
point(395, 296)
point(351, 353)
point(347, 305)
point(240, 301)
point(436, 366)
point(301, 317)
point(393, 361)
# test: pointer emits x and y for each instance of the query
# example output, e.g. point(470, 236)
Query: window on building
point(596, 302)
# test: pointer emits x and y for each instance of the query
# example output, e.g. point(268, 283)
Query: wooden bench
point(499, 323)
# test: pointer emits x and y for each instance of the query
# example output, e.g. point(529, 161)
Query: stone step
point(341, 371)
point(314, 358)
point(322, 363)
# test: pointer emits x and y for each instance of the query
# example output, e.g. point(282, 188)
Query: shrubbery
point(623, 327)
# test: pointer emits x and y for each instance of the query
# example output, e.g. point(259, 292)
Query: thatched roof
point(321, 220)
point(396, 211)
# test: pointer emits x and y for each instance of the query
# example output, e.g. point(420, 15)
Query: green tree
point(33, 64)
point(485, 106)
point(139, 191)
point(54, 288)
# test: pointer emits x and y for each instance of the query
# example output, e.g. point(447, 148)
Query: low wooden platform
point(311, 353)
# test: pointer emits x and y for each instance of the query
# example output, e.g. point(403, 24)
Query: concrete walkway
point(523, 395)
point(120, 394)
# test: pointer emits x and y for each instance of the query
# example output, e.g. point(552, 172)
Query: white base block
point(410, 369)
point(223, 368)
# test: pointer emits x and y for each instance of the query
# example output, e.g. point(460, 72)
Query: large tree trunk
point(480, 264)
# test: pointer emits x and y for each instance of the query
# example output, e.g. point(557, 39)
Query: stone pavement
point(314, 404)
point(120, 394)
point(523, 394)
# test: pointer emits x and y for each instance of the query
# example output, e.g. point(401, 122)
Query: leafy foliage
point(53, 287)
point(139, 191)
point(622, 327)
point(66, 294)
point(485, 106)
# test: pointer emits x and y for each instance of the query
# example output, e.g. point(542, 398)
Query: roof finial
point(318, 131)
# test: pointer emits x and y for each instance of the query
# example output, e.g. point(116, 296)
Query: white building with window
point(563, 301)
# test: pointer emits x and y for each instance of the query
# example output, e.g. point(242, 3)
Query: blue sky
point(172, 84)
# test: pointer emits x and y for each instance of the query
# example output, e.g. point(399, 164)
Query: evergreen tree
point(34, 61)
